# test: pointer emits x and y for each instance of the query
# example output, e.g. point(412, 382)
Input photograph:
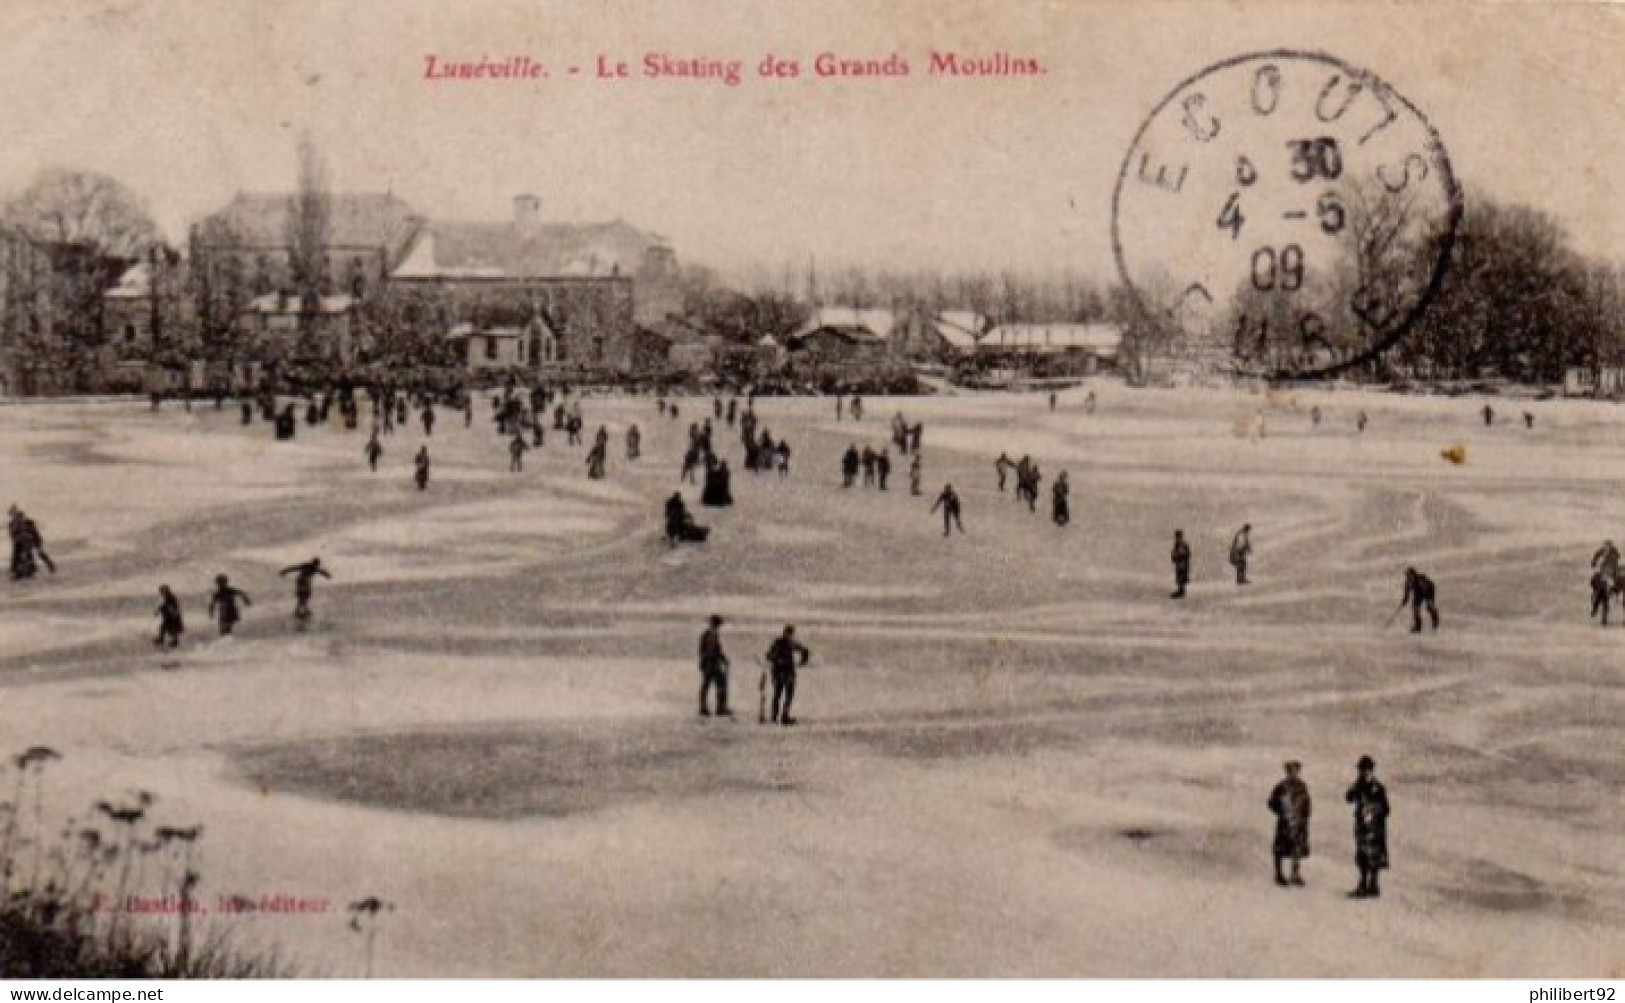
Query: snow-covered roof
point(877, 322)
point(135, 283)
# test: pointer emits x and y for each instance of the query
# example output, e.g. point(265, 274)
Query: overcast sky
point(188, 102)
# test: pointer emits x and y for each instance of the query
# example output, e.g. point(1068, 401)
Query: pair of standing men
point(784, 658)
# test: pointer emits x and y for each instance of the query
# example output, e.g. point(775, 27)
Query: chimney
point(527, 211)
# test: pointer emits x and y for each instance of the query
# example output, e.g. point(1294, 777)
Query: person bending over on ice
point(304, 577)
point(784, 657)
point(1370, 801)
point(223, 604)
point(1419, 592)
point(1289, 801)
point(170, 626)
point(948, 501)
point(713, 670)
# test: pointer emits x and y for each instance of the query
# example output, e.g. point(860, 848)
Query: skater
point(170, 626)
point(223, 604)
point(1606, 560)
point(784, 657)
point(1370, 801)
point(733, 411)
point(468, 411)
point(691, 463)
point(840, 402)
point(634, 443)
point(1489, 416)
point(1241, 548)
point(1360, 422)
point(784, 459)
point(420, 468)
point(677, 519)
point(247, 411)
point(948, 501)
point(850, 461)
point(1290, 803)
point(596, 459)
point(718, 491)
point(1060, 507)
point(713, 669)
point(1181, 558)
point(1034, 478)
point(1602, 595)
point(857, 408)
point(914, 473)
point(868, 467)
point(1052, 402)
point(373, 451)
point(1528, 420)
point(304, 577)
point(516, 454)
point(1419, 592)
point(428, 419)
point(1002, 466)
point(882, 468)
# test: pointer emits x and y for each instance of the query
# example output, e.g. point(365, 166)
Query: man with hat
point(713, 669)
point(1290, 803)
point(784, 657)
point(1370, 801)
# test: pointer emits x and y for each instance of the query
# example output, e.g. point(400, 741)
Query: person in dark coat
point(850, 461)
point(1602, 596)
point(677, 518)
point(428, 418)
point(304, 577)
point(1002, 466)
point(374, 449)
point(1060, 503)
point(1241, 548)
point(516, 454)
point(420, 468)
point(718, 492)
point(868, 461)
point(1181, 558)
point(170, 626)
point(784, 658)
point(713, 670)
point(882, 468)
point(1370, 800)
point(223, 604)
point(948, 501)
point(1290, 803)
point(1419, 592)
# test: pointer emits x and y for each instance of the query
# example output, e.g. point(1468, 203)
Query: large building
point(584, 284)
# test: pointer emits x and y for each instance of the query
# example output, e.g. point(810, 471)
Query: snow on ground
point(1017, 755)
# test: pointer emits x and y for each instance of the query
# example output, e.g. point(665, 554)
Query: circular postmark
point(1283, 214)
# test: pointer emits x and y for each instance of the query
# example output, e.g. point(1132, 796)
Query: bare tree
point(83, 208)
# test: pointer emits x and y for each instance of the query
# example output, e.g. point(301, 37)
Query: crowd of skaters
point(514, 417)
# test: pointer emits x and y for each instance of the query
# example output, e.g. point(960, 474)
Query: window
point(490, 349)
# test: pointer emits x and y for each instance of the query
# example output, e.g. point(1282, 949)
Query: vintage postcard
point(812, 489)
